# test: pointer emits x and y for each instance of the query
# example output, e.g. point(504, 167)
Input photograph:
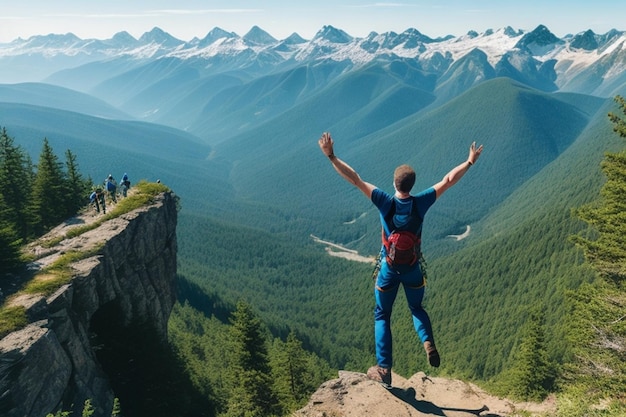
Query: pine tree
point(48, 196)
point(532, 375)
point(619, 123)
point(88, 409)
point(597, 329)
point(15, 185)
point(9, 242)
point(252, 393)
point(291, 371)
point(607, 253)
point(117, 409)
point(77, 189)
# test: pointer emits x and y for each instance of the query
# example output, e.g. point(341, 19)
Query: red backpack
point(403, 246)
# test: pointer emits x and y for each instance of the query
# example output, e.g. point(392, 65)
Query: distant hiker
point(401, 217)
point(97, 199)
point(111, 187)
point(125, 184)
point(92, 200)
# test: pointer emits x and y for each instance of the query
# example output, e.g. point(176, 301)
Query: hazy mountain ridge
point(39, 94)
point(106, 146)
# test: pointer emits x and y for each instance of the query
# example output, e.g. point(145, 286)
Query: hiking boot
point(431, 352)
point(380, 374)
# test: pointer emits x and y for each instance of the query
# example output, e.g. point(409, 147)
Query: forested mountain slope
point(525, 261)
point(508, 118)
point(48, 95)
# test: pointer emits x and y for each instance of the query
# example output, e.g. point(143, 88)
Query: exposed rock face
point(52, 363)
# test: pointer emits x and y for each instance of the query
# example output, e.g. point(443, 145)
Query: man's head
point(404, 178)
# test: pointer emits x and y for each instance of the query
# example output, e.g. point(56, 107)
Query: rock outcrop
point(353, 394)
point(52, 364)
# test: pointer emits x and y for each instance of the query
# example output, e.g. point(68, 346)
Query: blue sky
point(185, 19)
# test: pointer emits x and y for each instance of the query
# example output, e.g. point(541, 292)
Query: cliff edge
point(53, 363)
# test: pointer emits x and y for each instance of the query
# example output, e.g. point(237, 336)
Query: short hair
point(404, 178)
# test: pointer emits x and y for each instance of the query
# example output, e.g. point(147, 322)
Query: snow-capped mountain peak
point(557, 60)
point(158, 36)
point(258, 36)
point(215, 34)
point(333, 35)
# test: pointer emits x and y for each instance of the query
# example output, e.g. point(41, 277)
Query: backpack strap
point(415, 218)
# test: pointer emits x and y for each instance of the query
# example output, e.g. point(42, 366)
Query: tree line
point(593, 374)
point(239, 368)
point(597, 323)
point(34, 197)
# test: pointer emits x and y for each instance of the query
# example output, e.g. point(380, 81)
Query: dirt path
point(463, 235)
point(339, 251)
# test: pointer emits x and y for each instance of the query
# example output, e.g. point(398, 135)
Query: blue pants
point(385, 292)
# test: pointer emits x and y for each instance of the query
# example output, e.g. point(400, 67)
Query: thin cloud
point(383, 4)
point(476, 11)
point(99, 15)
point(153, 13)
point(203, 11)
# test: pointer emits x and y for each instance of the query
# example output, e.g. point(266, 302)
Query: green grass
point(11, 319)
point(58, 273)
point(577, 401)
point(143, 193)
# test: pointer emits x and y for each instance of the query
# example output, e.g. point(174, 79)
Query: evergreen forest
point(35, 197)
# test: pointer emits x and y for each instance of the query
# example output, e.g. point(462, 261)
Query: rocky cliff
point(54, 363)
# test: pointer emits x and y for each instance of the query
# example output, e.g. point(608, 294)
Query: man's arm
point(457, 172)
point(346, 171)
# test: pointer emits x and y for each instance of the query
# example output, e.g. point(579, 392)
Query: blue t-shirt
point(384, 203)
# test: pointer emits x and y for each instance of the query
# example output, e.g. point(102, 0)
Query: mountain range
point(586, 63)
point(208, 86)
point(556, 62)
point(231, 124)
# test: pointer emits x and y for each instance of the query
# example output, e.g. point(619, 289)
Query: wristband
point(469, 162)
